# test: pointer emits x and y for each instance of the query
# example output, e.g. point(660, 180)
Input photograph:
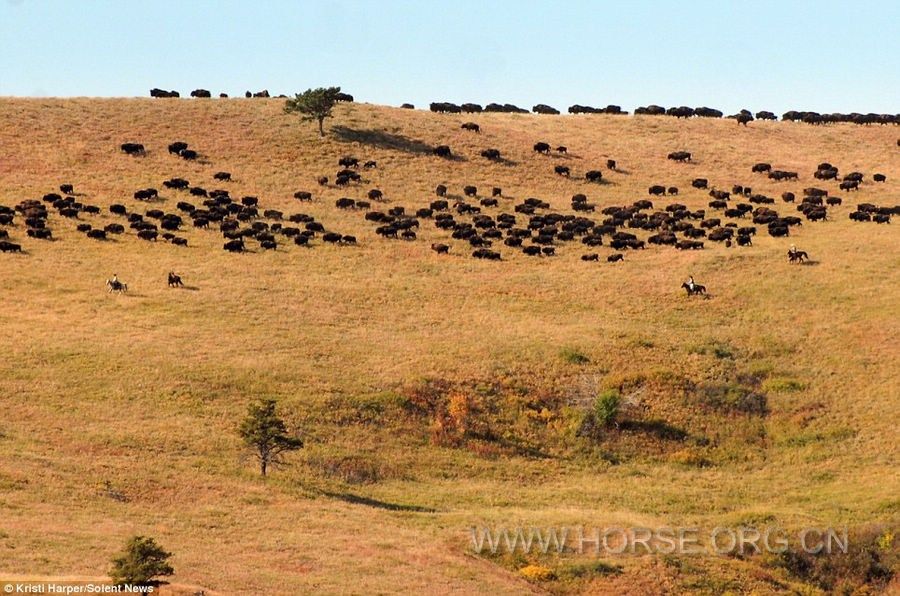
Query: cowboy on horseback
point(690, 283)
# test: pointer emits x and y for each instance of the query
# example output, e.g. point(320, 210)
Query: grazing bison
point(234, 245)
point(177, 147)
point(761, 168)
point(542, 147)
point(593, 176)
point(561, 170)
point(66, 188)
point(200, 93)
point(188, 154)
point(302, 195)
point(680, 156)
point(6, 246)
point(471, 126)
point(469, 191)
point(224, 176)
point(848, 185)
point(322, 180)
point(657, 189)
point(590, 257)
point(162, 93)
point(375, 195)
point(148, 235)
point(615, 258)
point(542, 108)
point(442, 151)
point(132, 148)
point(673, 190)
point(700, 183)
point(491, 154)
point(879, 178)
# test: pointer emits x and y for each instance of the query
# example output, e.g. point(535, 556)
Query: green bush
point(573, 356)
point(606, 407)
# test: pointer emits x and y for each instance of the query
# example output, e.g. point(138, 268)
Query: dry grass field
point(139, 395)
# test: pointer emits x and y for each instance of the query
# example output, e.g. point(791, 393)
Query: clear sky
point(824, 56)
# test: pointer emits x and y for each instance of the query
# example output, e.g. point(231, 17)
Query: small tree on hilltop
point(266, 434)
point(140, 563)
point(314, 104)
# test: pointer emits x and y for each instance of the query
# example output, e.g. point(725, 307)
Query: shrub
point(537, 573)
point(606, 407)
point(603, 413)
point(731, 397)
point(869, 563)
point(573, 356)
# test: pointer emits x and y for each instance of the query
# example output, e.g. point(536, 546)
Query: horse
point(797, 256)
point(175, 280)
point(115, 285)
point(698, 289)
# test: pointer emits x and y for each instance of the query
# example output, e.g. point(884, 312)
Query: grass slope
point(144, 391)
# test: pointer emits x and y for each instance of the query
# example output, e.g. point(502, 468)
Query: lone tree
point(140, 563)
point(266, 434)
point(314, 104)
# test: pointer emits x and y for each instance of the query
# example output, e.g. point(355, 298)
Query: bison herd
point(486, 225)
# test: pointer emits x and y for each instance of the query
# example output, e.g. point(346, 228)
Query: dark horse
point(797, 256)
point(175, 280)
point(115, 285)
point(698, 289)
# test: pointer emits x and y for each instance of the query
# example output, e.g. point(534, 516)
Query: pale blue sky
point(824, 56)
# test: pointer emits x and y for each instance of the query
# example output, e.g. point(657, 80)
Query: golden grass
point(145, 390)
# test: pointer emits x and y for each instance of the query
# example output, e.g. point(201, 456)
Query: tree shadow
point(369, 502)
point(386, 140)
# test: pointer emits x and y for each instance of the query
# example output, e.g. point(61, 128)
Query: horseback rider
point(690, 283)
point(115, 279)
point(792, 251)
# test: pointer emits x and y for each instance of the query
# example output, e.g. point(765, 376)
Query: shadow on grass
point(386, 140)
point(369, 502)
point(658, 428)
point(810, 263)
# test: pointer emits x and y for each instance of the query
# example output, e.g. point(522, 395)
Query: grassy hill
point(436, 393)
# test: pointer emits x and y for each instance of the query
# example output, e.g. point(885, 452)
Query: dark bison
point(442, 151)
point(224, 176)
point(700, 183)
point(593, 176)
point(879, 178)
point(491, 154)
point(611, 164)
point(561, 170)
point(132, 148)
point(200, 93)
point(680, 156)
point(542, 147)
point(657, 189)
point(471, 126)
point(163, 93)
